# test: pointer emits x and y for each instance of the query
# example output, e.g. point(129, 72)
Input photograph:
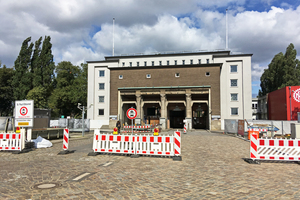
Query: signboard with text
point(24, 113)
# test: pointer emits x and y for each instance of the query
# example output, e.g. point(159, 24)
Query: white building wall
point(243, 89)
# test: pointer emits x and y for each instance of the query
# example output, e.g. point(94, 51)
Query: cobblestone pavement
point(211, 168)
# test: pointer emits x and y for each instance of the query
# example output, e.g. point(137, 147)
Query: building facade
point(203, 88)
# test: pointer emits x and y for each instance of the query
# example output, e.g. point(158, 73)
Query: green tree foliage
point(39, 95)
point(36, 64)
point(47, 65)
point(6, 90)
point(22, 82)
point(284, 70)
point(66, 95)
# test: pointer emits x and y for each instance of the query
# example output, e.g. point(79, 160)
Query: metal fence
point(277, 127)
point(72, 124)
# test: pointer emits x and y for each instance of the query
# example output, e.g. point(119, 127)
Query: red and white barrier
point(66, 139)
point(274, 149)
point(137, 127)
point(136, 131)
point(113, 143)
point(11, 141)
point(184, 129)
point(258, 129)
point(137, 144)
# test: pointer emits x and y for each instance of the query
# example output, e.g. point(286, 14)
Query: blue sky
point(82, 30)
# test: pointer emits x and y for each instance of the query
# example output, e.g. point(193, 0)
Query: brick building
point(204, 88)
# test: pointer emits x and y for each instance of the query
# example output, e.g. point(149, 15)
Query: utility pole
point(83, 111)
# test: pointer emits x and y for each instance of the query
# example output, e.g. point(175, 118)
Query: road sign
point(24, 113)
point(131, 113)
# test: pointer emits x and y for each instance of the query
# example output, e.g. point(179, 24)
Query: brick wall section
point(165, 76)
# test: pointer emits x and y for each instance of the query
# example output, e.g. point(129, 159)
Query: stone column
point(138, 108)
point(188, 117)
point(163, 117)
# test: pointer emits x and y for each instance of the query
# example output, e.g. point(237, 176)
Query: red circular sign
point(23, 111)
point(296, 95)
point(131, 113)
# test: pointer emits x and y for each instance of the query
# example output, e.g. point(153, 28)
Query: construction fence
point(71, 124)
point(274, 127)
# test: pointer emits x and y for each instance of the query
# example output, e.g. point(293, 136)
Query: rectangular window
point(120, 76)
point(101, 73)
point(175, 62)
point(234, 111)
point(183, 62)
point(177, 75)
point(207, 61)
point(199, 61)
point(159, 62)
point(191, 62)
point(101, 99)
point(234, 97)
point(123, 64)
point(233, 68)
point(101, 112)
point(138, 64)
point(130, 64)
point(101, 86)
point(233, 82)
point(145, 63)
point(168, 62)
point(152, 63)
point(148, 76)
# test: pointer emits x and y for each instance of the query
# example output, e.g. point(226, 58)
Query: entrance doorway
point(200, 115)
point(176, 112)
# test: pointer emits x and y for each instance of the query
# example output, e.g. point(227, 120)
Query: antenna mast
point(226, 40)
point(113, 36)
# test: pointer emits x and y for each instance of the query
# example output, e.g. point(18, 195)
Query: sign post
point(24, 113)
point(131, 114)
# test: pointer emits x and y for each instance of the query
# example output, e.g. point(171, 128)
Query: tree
point(22, 82)
point(284, 70)
point(36, 64)
point(6, 91)
point(47, 65)
point(63, 100)
point(39, 95)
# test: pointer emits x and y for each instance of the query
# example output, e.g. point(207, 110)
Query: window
point(233, 82)
point(254, 106)
point(175, 62)
point(123, 64)
point(168, 62)
point(101, 86)
point(234, 97)
point(152, 63)
point(101, 99)
point(183, 62)
point(101, 73)
point(145, 63)
point(159, 62)
point(234, 111)
point(138, 64)
point(233, 68)
point(120, 76)
point(207, 73)
point(101, 112)
point(130, 64)
point(177, 75)
point(191, 62)
point(199, 61)
point(207, 61)
point(148, 76)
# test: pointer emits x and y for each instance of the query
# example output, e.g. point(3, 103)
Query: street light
point(83, 111)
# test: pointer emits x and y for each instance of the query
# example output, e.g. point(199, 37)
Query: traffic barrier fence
point(274, 149)
point(167, 145)
point(12, 141)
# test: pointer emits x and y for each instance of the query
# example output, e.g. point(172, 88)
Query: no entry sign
point(131, 113)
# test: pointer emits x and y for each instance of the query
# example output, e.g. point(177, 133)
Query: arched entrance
point(200, 116)
point(176, 115)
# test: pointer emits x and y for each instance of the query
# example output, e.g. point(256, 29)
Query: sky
point(81, 30)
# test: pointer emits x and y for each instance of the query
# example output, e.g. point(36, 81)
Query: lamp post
point(83, 109)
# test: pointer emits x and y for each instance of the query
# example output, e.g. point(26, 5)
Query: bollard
point(66, 143)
